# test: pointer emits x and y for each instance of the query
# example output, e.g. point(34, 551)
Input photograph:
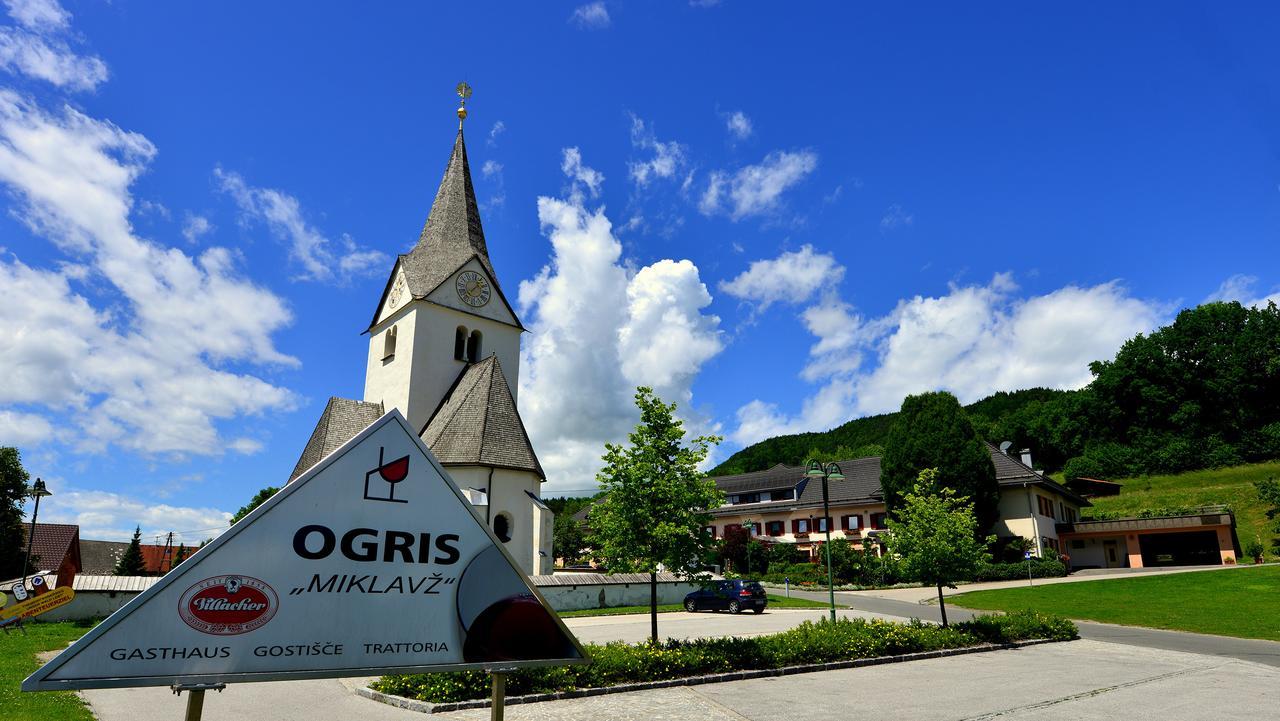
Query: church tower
point(442, 308)
point(444, 349)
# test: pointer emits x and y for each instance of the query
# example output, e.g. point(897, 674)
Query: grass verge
point(821, 642)
point(1241, 602)
point(18, 660)
point(774, 602)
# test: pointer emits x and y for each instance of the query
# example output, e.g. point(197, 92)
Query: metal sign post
point(1027, 555)
point(195, 697)
point(370, 563)
point(498, 696)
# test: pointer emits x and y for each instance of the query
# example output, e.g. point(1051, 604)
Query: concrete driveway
point(1078, 680)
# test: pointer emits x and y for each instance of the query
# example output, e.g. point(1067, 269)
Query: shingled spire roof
point(478, 424)
point(452, 235)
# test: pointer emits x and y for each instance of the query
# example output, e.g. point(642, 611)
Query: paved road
point(1087, 680)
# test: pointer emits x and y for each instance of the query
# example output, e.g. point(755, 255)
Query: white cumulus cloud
point(37, 47)
point(196, 227)
point(107, 516)
point(1242, 288)
point(756, 189)
point(163, 358)
point(793, 277)
point(973, 341)
point(581, 174)
point(602, 328)
point(666, 157)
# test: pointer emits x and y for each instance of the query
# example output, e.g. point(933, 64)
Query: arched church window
point(502, 527)
point(389, 344)
point(473, 347)
point(460, 344)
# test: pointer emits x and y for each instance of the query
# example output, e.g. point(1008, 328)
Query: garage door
point(1192, 548)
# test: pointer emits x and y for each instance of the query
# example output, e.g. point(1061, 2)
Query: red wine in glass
point(392, 472)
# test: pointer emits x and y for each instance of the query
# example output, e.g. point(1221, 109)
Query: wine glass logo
point(391, 472)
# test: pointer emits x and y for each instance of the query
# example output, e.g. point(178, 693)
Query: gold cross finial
point(464, 92)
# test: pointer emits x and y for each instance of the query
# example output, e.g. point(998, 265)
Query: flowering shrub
point(810, 642)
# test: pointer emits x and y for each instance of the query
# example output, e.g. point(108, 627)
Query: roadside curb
point(428, 707)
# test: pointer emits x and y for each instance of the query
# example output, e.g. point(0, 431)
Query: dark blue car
point(732, 596)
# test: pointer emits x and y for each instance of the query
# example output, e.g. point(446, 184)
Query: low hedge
point(1040, 568)
point(810, 642)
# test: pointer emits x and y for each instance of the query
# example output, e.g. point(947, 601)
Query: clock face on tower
point(473, 288)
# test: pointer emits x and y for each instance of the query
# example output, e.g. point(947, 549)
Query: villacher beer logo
point(228, 605)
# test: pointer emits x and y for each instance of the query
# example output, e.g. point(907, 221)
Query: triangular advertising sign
point(371, 562)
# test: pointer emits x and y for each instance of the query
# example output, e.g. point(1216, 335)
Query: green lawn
point(18, 660)
point(774, 602)
point(1243, 602)
point(1231, 486)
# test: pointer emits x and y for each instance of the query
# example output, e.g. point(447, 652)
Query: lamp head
point(833, 472)
point(39, 490)
point(815, 470)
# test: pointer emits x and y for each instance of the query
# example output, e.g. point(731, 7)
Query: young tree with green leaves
point(258, 499)
point(932, 431)
point(13, 493)
point(936, 535)
point(655, 510)
point(131, 562)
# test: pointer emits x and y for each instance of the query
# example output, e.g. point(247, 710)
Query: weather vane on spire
point(464, 92)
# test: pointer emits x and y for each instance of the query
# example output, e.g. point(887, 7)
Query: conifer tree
point(13, 492)
point(131, 562)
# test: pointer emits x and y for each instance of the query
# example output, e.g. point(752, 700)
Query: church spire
point(453, 234)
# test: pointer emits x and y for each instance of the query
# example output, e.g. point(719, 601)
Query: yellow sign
point(37, 605)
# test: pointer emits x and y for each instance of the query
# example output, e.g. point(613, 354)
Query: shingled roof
point(861, 484)
point(478, 424)
point(342, 419)
point(452, 235)
point(53, 543)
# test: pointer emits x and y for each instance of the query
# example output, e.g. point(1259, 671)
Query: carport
point(1203, 537)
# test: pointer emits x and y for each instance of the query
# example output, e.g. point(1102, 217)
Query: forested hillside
point(1202, 392)
point(865, 436)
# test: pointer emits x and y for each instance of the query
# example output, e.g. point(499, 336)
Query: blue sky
point(780, 220)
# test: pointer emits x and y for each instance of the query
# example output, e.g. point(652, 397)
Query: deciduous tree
point(655, 510)
point(258, 499)
point(13, 493)
point(936, 535)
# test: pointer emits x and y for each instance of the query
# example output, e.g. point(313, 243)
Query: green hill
point(866, 436)
point(1231, 486)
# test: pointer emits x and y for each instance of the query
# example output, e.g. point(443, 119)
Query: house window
point(1077, 544)
point(800, 526)
point(786, 495)
point(473, 347)
point(460, 344)
point(389, 344)
point(1068, 514)
point(711, 531)
point(878, 521)
point(822, 524)
point(502, 527)
point(1046, 505)
point(775, 528)
point(732, 527)
point(851, 523)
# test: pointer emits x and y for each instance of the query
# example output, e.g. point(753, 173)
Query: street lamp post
point(830, 471)
point(38, 491)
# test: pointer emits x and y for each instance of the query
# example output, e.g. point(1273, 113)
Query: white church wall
point(424, 368)
point(528, 525)
point(388, 381)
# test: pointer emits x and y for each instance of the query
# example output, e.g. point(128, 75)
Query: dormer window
point(460, 344)
point(389, 344)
